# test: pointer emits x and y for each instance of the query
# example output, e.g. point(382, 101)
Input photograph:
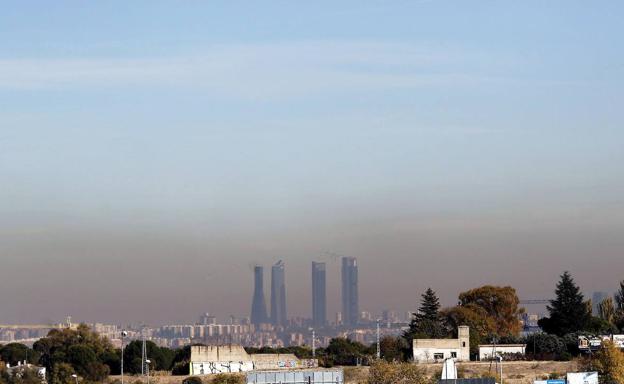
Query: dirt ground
point(514, 372)
point(518, 372)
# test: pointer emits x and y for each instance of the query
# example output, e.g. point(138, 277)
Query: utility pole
point(313, 344)
point(378, 345)
point(123, 334)
point(143, 352)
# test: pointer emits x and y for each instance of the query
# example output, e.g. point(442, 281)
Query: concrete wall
point(425, 350)
point(488, 351)
point(222, 359)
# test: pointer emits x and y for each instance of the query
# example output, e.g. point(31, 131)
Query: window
point(454, 354)
point(438, 356)
point(463, 344)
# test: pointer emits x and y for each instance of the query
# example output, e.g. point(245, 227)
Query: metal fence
point(334, 376)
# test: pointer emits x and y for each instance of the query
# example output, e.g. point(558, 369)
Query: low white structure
point(207, 360)
point(437, 350)
point(492, 351)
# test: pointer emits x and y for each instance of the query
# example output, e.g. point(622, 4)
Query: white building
point(436, 350)
point(490, 351)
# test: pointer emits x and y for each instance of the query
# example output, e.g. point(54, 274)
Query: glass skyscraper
point(350, 304)
point(278, 294)
point(319, 298)
point(258, 306)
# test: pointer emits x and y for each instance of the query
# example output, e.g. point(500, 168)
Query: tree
point(619, 307)
point(609, 363)
point(82, 348)
point(13, 353)
point(426, 323)
point(392, 348)
point(606, 310)
point(342, 351)
point(161, 358)
point(619, 297)
point(500, 304)
point(62, 374)
point(544, 346)
point(568, 312)
point(476, 318)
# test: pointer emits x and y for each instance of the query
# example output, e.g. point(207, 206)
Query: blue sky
point(237, 132)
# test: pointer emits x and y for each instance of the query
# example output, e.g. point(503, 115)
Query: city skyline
point(151, 155)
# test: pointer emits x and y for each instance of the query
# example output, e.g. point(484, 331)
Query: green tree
point(161, 358)
point(13, 353)
point(619, 297)
point(392, 348)
point(62, 374)
point(619, 307)
point(544, 346)
point(342, 351)
point(568, 312)
point(82, 348)
point(426, 323)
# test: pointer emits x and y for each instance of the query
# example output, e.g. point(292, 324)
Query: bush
point(181, 368)
point(192, 380)
point(383, 372)
point(227, 378)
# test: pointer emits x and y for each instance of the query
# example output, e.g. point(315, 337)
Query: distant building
point(319, 297)
point(258, 305)
point(435, 350)
point(491, 351)
point(278, 294)
point(339, 320)
point(350, 301)
point(597, 298)
point(207, 319)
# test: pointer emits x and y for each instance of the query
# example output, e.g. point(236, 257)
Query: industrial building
point(436, 350)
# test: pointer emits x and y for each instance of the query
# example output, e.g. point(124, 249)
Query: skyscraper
point(278, 294)
point(258, 306)
point(350, 305)
point(319, 298)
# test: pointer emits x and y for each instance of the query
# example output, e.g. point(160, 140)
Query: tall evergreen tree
point(568, 312)
point(427, 322)
point(619, 297)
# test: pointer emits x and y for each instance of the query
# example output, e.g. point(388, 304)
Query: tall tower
point(258, 306)
point(278, 294)
point(319, 297)
point(350, 304)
